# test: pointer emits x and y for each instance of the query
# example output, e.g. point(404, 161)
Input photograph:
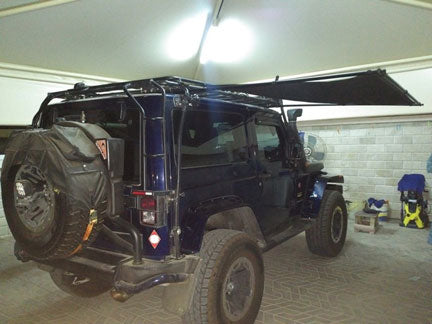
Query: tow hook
point(119, 295)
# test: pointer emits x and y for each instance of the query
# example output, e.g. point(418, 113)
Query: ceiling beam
point(53, 76)
point(426, 4)
point(13, 10)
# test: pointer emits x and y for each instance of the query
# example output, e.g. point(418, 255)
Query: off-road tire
point(319, 236)
point(65, 233)
point(55, 217)
point(65, 281)
point(221, 249)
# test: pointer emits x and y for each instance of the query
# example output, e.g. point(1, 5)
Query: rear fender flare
point(240, 218)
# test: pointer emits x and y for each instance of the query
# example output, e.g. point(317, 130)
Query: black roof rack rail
point(240, 98)
point(171, 85)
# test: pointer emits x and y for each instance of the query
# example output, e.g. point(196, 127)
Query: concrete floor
point(382, 278)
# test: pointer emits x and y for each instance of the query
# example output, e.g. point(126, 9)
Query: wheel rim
point(34, 199)
point(238, 289)
point(337, 225)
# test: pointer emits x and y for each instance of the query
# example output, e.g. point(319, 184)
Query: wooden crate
point(365, 222)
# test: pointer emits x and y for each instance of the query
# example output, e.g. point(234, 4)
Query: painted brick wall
point(373, 157)
point(4, 230)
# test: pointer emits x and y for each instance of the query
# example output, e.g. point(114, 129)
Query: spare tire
point(55, 190)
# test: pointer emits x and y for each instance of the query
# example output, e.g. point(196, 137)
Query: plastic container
point(383, 211)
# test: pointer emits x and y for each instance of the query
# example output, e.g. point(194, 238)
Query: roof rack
point(171, 84)
point(360, 88)
point(163, 85)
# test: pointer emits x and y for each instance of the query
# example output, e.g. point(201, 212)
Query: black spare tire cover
point(55, 190)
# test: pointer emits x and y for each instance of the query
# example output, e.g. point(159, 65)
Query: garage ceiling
point(254, 39)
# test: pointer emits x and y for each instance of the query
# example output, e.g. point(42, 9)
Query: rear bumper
point(120, 270)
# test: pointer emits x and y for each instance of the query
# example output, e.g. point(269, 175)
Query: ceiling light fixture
point(229, 41)
point(183, 43)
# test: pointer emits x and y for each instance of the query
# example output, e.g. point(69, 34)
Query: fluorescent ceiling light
point(184, 41)
point(230, 41)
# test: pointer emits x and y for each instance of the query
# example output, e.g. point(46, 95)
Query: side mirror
point(293, 114)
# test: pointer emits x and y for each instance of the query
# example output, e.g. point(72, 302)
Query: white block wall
point(373, 157)
point(23, 88)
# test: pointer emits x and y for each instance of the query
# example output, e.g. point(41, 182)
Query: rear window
point(211, 138)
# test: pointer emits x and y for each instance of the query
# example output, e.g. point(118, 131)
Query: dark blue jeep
point(170, 181)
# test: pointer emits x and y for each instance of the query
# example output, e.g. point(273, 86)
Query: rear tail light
point(152, 208)
point(148, 217)
point(148, 203)
point(148, 206)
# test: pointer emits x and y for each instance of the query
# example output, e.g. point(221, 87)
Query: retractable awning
point(363, 88)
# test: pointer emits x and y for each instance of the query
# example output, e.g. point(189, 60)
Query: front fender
point(322, 183)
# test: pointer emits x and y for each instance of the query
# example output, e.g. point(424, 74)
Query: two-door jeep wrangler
point(175, 182)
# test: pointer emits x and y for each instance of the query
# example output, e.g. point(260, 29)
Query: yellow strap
point(79, 247)
point(90, 225)
point(92, 222)
point(88, 232)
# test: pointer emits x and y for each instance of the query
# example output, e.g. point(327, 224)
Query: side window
point(268, 142)
point(212, 138)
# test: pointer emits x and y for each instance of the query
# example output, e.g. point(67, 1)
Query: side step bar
point(296, 228)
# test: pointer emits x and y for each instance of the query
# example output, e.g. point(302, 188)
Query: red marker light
point(139, 193)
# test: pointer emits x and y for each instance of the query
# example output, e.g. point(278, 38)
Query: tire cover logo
point(102, 146)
